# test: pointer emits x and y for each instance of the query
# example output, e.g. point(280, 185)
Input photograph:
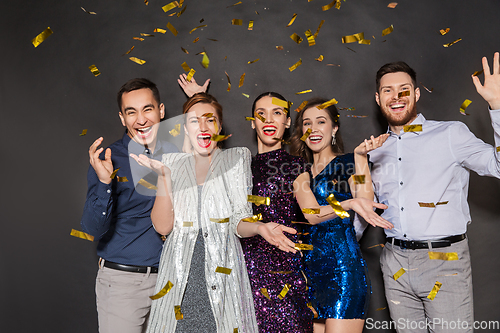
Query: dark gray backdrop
point(48, 95)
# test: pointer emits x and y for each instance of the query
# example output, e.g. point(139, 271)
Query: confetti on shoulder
point(82, 235)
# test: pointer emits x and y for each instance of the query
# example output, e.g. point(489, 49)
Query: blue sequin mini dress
point(337, 276)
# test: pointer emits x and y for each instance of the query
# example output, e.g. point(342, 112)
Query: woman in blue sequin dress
point(335, 269)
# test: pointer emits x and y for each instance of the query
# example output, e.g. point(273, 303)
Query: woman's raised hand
point(364, 208)
point(273, 233)
point(373, 143)
point(191, 87)
point(152, 164)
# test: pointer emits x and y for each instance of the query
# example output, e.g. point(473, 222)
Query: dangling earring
point(334, 142)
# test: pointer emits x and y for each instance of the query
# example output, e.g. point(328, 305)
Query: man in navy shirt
point(117, 211)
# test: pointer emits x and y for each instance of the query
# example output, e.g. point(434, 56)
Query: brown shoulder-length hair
point(205, 99)
point(299, 147)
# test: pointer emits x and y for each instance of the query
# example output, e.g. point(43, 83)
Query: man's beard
point(403, 121)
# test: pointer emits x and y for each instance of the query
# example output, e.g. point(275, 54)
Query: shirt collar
point(134, 147)
point(420, 120)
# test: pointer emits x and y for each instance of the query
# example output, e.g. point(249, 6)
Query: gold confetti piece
point(292, 20)
point(137, 60)
point(249, 118)
point(237, 22)
point(146, 35)
point(298, 222)
point(208, 115)
point(251, 62)
point(172, 14)
point(218, 138)
point(162, 31)
point(170, 6)
point(259, 200)
point(309, 305)
point(443, 255)
point(280, 272)
point(200, 26)
point(380, 309)
point(399, 274)
point(113, 174)
point(190, 75)
point(196, 39)
point(279, 102)
point(163, 291)
point(296, 38)
point(317, 30)
point(444, 31)
point(223, 270)
point(175, 131)
point(310, 38)
point(320, 58)
point(285, 290)
point(178, 313)
point(250, 25)
point(338, 4)
point(185, 51)
point(498, 149)
point(182, 11)
point(306, 135)
point(122, 179)
point(242, 80)
point(303, 247)
point(450, 44)
point(82, 235)
point(311, 211)
point(297, 64)
point(228, 82)
point(282, 141)
point(476, 73)
point(146, 2)
point(392, 5)
point(235, 330)
point(226, 220)
point(279, 47)
point(365, 41)
point(441, 203)
point(329, 6)
point(387, 30)
point(337, 208)
point(147, 184)
point(333, 101)
point(261, 118)
point(86, 11)
point(428, 90)
point(301, 106)
point(376, 245)
point(129, 50)
point(41, 37)
point(353, 38)
point(94, 70)
point(172, 29)
point(253, 219)
point(180, 3)
point(464, 106)
point(427, 204)
point(358, 179)
point(185, 67)
point(205, 61)
point(235, 4)
point(84, 132)
point(404, 93)
point(246, 95)
point(138, 38)
point(264, 292)
point(413, 128)
point(187, 224)
point(434, 290)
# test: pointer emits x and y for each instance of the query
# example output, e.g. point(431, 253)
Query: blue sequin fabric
point(339, 286)
point(268, 267)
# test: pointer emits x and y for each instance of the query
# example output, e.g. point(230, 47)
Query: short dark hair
point(394, 67)
point(136, 84)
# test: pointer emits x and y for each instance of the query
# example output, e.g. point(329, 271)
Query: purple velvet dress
point(268, 267)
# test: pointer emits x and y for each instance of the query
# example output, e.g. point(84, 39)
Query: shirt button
point(109, 191)
point(214, 287)
point(103, 213)
point(401, 183)
point(399, 137)
point(206, 234)
point(400, 158)
point(404, 235)
point(402, 208)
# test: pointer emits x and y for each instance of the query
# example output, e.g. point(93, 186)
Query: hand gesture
point(152, 164)
point(373, 143)
point(191, 87)
point(102, 168)
point(490, 91)
point(364, 208)
point(273, 233)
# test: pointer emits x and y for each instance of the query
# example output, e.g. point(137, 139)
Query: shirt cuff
point(103, 190)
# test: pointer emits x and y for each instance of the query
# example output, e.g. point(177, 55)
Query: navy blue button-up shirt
point(118, 214)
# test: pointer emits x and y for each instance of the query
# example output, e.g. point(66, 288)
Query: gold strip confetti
point(185, 67)
point(320, 58)
point(237, 22)
point(303, 247)
point(434, 290)
point(259, 200)
point(196, 39)
point(228, 82)
point(337, 208)
point(306, 135)
point(226, 220)
point(187, 224)
point(365, 41)
point(205, 61)
point(113, 174)
point(280, 272)
point(353, 38)
point(498, 149)
point(296, 38)
point(404, 93)
point(94, 70)
point(427, 204)
point(172, 14)
point(282, 141)
point(251, 62)
point(413, 128)
point(387, 30)
point(82, 235)
point(380, 309)
point(279, 102)
point(317, 30)
point(42, 37)
point(303, 92)
point(310, 38)
point(200, 26)
point(235, 330)
point(444, 31)
point(185, 51)
point(292, 20)
point(476, 73)
point(138, 38)
point(170, 6)
point(338, 4)
point(443, 255)
point(234, 4)
point(297, 64)
point(264, 292)
point(261, 118)
point(392, 5)
point(176, 130)
point(285, 290)
point(223, 270)
point(329, 6)
point(163, 291)
point(253, 219)
point(250, 25)
point(129, 50)
point(309, 305)
point(242, 80)
point(162, 31)
point(441, 203)
point(122, 179)
point(298, 222)
point(137, 60)
point(301, 106)
point(311, 211)
point(464, 106)
point(172, 29)
point(217, 138)
point(84, 132)
point(333, 101)
point(249, 118)
point(147, 184)
point(190, 75)
point(86, 11)
point(146, 2)
point(182, 11)
point(208, 115)
point(178, 313)
point(358, 179)
point(450, 44)
point(376, 245)
point(279, 47)
point(146, 35)
point(399, 274)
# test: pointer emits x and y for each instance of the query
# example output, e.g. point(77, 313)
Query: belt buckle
point(406, 244)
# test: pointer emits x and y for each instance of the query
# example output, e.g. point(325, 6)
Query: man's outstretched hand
point(490, 91)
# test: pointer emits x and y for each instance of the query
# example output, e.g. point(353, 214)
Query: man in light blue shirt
point(422, 173)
